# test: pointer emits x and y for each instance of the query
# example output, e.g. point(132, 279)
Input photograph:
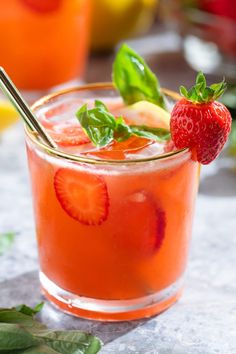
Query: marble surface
point(202, 322)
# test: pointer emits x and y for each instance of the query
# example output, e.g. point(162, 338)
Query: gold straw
point(10, 90)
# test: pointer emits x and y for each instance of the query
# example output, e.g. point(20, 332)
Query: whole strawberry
point(199, 122)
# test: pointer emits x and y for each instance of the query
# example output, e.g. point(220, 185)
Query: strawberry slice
point(65, 134)
point(117, 150)
point(42, 6)
point(68, 135)
point(141, 229)
point(82, 195)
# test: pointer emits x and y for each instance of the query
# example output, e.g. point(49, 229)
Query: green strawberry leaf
point(6, 240)
point(201, 93)
point(102, 127)
point(134, 79)
point(183, 91)
point(200, 82)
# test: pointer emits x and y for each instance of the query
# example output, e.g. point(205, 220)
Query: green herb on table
point(29, 311)
point(6, 240)
point(102, 127)
point(232, 140)
point(21, 333)
point(134, 79)
point(229, 99)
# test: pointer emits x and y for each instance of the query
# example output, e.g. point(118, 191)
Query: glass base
point(110, 310)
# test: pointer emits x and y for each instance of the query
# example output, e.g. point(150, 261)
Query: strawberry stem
point(201, 93)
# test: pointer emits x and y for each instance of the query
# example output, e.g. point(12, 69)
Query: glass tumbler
point(132, 264)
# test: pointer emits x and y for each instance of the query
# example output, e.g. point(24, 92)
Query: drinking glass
point(132, 264)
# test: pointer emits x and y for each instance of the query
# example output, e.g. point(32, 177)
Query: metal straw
point(21, 106)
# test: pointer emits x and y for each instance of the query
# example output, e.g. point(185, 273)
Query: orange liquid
point(136, 256)
point(44, 48)
point(119, 259)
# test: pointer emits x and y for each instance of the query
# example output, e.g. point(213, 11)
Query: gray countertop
point(202, 322)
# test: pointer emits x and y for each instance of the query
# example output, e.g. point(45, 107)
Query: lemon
point(114, 20)
point(8, 115)
point(147, 113)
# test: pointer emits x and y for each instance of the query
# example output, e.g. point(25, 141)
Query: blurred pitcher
point(44, 42)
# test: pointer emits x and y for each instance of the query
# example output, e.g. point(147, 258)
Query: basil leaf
point(134, 79)
point(13, 316)
point(37, 308)
point(6, 240)
point(17, 351)
point(98, 124)
point(12, 336)
point(41, 349)
point(232, 140)
point(70, 342)
point(26, 310)
point(122, 131)
point(102, 127)
point(100, 104)
point(158, 134)
point(21, 334)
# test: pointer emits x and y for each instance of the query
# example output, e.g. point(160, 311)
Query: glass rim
point(33, 136)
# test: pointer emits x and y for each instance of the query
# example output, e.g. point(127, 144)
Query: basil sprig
point(21, 333)
point(134, 79)
point(29, 311)
point(102, 127)
point(6, 240)
point(232, 140)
